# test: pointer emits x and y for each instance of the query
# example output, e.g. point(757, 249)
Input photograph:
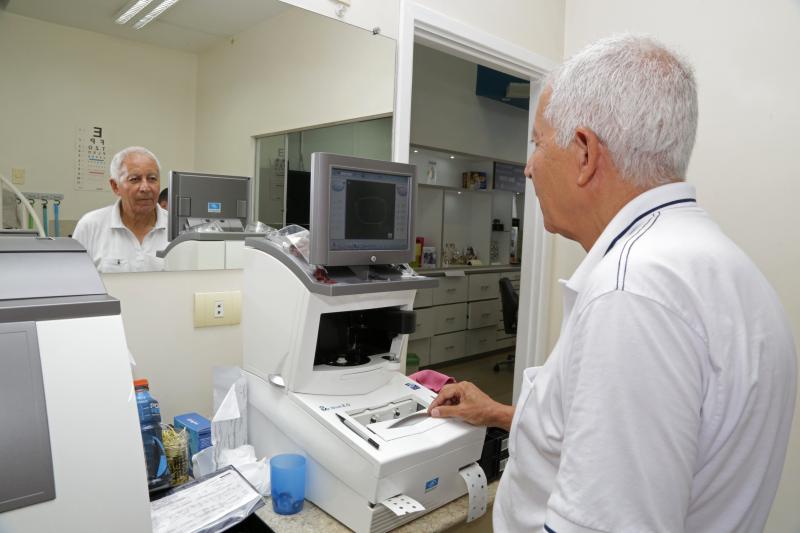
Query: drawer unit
point(425, 323)
point(505, 343)
point(421, 347)
point(484, 286)
point(450, 291)
point(423, 298)
point(450, 318)
point(481, 340)
point(447, 347)
point(482, 314)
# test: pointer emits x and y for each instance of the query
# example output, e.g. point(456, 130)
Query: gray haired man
point(125, 237)
point(667, 402)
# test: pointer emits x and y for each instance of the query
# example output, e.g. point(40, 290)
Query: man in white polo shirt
point(667, 402)
point(125, 237)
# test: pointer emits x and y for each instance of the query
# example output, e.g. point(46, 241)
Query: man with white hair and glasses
point(125, 237)
point(667, 401)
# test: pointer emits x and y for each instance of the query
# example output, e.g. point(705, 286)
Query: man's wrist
point(501, 416)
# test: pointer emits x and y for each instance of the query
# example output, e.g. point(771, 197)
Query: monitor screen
point(196, 198)
point(362, 211)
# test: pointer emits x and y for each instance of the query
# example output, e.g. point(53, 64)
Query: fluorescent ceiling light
point(130, 10)
point(160, 8)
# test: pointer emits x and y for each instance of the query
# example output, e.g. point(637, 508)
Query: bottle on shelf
point(158, 475)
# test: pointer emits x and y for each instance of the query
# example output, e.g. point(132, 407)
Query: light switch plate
point(18, 176)
point(205, 304)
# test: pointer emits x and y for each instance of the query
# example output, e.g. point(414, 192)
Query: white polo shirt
point(667, 402)
point(114, 248)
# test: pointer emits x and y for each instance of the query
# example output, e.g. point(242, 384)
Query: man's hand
point(466, 401)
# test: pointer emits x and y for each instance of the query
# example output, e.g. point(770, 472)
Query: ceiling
point(189, 25)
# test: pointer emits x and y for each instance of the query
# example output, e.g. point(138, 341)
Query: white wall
point(177, 358)
point(57, 78)
point(744, 165)
point(446, 113)
point(296, 70)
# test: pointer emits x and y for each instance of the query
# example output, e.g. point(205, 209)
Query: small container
point(176, 449)
point(150, 424)
point(287, 474)
point(412, 363)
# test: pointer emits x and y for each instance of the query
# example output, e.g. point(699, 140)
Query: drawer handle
point(449, 347)
point(486, 314)
point(448, 319)
point(484, 287)
point(452, 289)
point(481, 341)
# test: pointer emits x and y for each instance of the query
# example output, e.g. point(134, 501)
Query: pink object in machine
point(432, 379)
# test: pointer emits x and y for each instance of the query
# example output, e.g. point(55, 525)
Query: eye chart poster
point(91, 169)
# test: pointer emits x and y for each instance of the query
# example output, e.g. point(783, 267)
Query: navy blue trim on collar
point(548, 529)
point(640, 217)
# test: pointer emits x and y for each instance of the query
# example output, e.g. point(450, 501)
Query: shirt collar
point(624, 221)
point(116, 217)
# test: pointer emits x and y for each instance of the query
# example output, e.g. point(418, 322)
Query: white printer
point(324, 351)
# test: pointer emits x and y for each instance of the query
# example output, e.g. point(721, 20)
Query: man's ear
point(114, 185)
point(589, 153)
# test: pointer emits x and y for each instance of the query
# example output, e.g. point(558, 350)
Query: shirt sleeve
point(83, 234)
point(633, 390)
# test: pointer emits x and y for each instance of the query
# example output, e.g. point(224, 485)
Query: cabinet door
point(447, 347)
point(451, 317)
point(450, 291)
point(425, 323)
point(480, 341)
point(421, 347)
point(484, 286)
point(423, 298)
point(482, 314)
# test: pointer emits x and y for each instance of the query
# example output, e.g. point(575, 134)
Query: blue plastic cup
point(288, 479)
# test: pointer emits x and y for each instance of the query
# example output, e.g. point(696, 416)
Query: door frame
point(433, 29)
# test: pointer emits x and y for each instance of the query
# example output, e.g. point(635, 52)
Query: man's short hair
point(164, 195)
point(638, 97)
point(117, 163)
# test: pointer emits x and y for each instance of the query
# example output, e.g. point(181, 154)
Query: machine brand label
point(412, 386)
point(432, 484)
point(324, 408)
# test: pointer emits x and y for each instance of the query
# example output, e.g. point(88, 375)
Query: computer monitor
point(196, 198)
point(362, 211)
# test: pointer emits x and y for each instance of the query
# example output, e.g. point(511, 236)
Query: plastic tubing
point(56, 226)
point(24, 201)
point(44, 217)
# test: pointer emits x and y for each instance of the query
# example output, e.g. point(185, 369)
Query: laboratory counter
point(312, 518)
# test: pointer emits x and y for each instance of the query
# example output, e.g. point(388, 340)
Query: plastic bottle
point(158, 475)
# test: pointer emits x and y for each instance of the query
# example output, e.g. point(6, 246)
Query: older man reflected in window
point(125, 236)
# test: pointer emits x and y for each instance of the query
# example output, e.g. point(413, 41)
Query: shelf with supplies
point(461, 317)
point(469, 209)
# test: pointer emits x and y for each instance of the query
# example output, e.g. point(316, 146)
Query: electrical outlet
point(18, 176)
point(217, 308)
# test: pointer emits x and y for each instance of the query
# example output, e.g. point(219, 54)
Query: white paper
point(475, 479)
point(229, 423)
point(202, 504)
point(402, 505)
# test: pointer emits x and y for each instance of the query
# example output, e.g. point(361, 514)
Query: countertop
point(312, 518)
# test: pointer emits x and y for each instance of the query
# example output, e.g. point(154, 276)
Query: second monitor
point(362, 211)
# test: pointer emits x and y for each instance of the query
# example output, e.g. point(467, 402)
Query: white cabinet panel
point(481, 340)
point(421, 347)
point(481, 314)
point(451, 317)
point(423, 298)
point(450, 291)
point(484, 286)
point(425, 323)
point(447, 347)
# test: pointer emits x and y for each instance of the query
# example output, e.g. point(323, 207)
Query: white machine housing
point(205, 251)
point(72, 456)
point(297, 407)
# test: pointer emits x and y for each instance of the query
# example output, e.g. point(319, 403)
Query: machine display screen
point(368, 210)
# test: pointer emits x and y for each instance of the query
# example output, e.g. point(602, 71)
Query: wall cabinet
point(461, 317)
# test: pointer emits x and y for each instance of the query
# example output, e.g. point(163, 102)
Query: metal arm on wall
point(25, 203)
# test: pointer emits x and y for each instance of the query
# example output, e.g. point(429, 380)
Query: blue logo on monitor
point(432, 484)
point(215, 207)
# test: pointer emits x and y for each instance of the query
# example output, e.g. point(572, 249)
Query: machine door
point(25, 460)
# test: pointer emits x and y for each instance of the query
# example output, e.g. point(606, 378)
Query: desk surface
point(312, 518)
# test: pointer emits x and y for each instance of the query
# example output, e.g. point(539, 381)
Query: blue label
point(215, 207)
point(432, 484)
point(412, 386)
